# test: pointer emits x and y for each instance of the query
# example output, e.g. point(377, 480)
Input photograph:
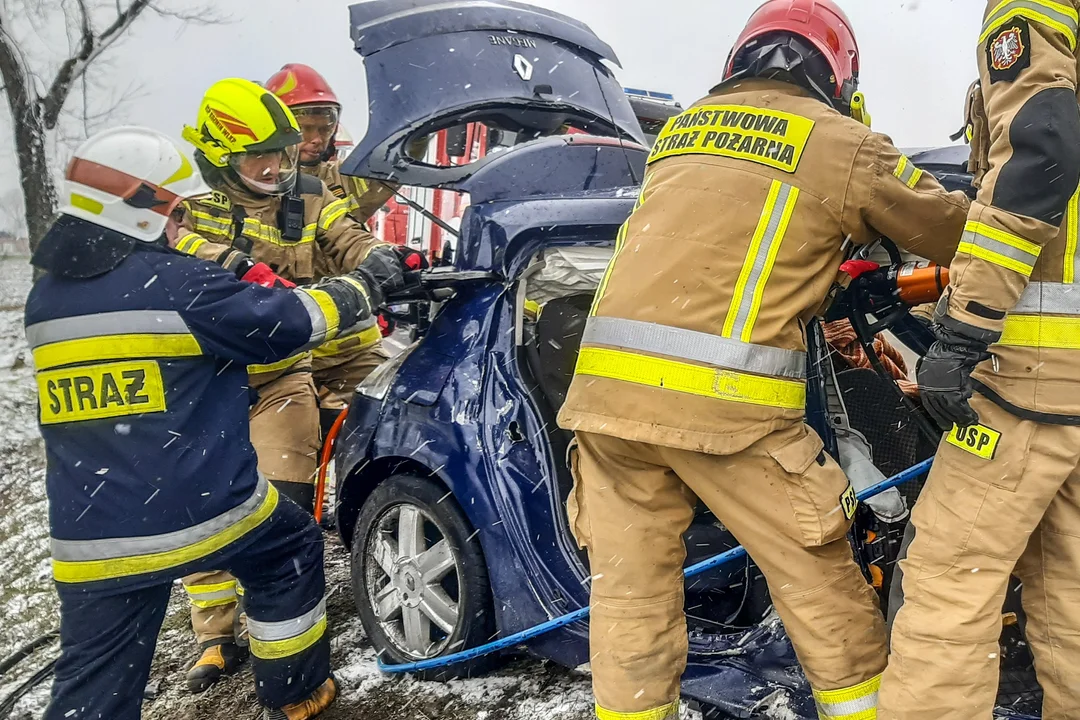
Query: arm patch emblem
point(1008, 51)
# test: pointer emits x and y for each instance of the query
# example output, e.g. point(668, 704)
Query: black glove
point(944, 374)
point(411, 259)
point(383, 264)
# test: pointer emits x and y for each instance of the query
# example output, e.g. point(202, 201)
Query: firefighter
point(1002, 378)
point(339, 366)
point(139, 354)
point(690, 380)
point(247, 147)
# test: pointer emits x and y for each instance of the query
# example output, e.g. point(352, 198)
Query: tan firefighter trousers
point(787, 502)
point(337, 375)
point(976, 519)
point(285, 433)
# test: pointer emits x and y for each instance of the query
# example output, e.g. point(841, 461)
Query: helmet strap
point(790, 59)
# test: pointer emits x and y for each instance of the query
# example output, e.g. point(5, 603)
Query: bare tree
point(36, 102)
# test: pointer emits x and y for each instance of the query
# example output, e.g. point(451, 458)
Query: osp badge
point(1008, 51)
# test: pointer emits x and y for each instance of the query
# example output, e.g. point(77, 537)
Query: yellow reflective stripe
point(354, 204)
point(620, 241)
point(115, 347)
point(760, 258)
point(91, 570)
point(190, 243)
point(1072, 228)
point(692, 379)
point(328, 308)
point(665, 712)
point(858, 702)
point(310, 231)
point(277, 649)
point(332, 213)
point(274, 367)
point(1054, 15)
point(219, 223)
point(271, 234)
point(1041, 331)
point(363, 339)
point(999, 248)
point(770, 261)
point(907, 173)
point(213, 595)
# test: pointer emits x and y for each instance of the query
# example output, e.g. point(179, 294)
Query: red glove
point(261, 274)
point(386, 325)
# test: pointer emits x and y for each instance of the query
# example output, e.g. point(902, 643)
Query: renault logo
point(523, 67)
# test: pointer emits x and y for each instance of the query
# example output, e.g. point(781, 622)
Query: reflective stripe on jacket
point(696, 339)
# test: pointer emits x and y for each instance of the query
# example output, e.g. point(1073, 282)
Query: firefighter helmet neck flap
point(809, 43)
point(250, 134)
point(316, 107)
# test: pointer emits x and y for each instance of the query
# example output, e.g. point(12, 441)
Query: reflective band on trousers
point(666, 712)
point(89, 560)
point(858, 702)
point(277, 366)
point(1054, 15)
point(999, 247)
point(760, 258)
point(696, 346)
point(122, 335)
point(907, 172)
point(276, 640)
point(213, 595)
point(362, 339)
point(692, 379)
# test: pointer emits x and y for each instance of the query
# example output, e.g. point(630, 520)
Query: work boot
point(216, 662)
point(311, 707)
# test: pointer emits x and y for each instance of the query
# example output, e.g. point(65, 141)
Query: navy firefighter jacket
point(143, 391)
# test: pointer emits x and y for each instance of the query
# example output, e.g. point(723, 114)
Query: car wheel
point(419, 577)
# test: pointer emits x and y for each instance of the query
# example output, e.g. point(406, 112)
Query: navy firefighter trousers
point(109, 629)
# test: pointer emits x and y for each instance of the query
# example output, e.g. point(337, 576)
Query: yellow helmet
point(249, 129)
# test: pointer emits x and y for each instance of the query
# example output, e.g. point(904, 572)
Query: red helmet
point(298, 84)
point(821, 22)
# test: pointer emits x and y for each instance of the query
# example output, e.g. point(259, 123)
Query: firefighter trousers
point(285, 433)
point(979, 518)
point(785, 500)
point(108, 631)
point(337, 375)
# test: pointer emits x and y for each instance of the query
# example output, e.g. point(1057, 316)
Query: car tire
point(421, 601)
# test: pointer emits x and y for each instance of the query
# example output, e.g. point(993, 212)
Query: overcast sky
point(918, 56)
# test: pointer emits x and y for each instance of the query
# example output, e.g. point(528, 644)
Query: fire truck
point(401, 224)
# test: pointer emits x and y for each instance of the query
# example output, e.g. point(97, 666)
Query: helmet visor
point(318, 125)
point(268, 173)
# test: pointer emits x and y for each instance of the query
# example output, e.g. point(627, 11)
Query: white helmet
point(129, 179)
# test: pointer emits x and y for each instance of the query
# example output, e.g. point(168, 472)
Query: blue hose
point(563, 620)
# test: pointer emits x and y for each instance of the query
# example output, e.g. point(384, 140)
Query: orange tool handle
point(324, 463)
point(920, 282)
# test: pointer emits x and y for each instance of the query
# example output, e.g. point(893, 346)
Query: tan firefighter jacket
point(365, 197)
point(232, 222)
point(695, 339)
point(1009, 260)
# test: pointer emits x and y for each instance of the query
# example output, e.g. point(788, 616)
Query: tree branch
point(90, 47)
point(14, 76)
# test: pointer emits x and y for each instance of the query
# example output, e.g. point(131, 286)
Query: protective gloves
point(944, 374)
point(391, 268)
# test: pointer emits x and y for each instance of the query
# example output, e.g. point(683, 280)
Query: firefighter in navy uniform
point(140, 355)
point(340, 365)
point(690, 382)
point(247, 147)
point(1004, 378)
